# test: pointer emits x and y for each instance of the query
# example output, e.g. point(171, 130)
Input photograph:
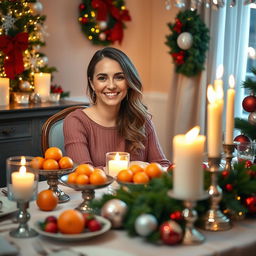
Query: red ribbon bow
point(13, 47)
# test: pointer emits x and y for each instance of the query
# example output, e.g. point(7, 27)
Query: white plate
point(72, 237)
point(8, 206)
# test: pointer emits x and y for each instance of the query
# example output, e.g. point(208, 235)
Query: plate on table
point(106, 225)
point(8, 206)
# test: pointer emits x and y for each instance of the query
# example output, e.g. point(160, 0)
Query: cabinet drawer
point(18, 129)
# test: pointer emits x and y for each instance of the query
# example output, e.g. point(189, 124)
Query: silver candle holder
point(229, 150)
point(214, 219)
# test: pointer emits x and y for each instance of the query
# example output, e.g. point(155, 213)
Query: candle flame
point(220, 71)
point(211, 95)
point(117, 157)
point(23, 160)
point(192, 134)
point(22, 170)
point(231, 81)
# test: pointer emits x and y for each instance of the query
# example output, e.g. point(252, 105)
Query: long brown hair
point(133, 113)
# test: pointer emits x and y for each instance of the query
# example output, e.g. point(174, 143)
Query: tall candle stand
point(228, 149)
point(215, 220)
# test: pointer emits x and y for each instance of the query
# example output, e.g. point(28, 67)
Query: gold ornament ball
point(25, 86)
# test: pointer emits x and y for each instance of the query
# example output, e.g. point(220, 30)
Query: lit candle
point(214, 122)
point(42, 83)
point(188, 171)
point(230, 111)
point(4, 91)
point(23, 182)
point(116, 165)
point(218, 82)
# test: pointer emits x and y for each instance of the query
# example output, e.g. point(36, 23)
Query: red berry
point(51, 227)
point(51, 219)
point(248, 164)
point(94, 225)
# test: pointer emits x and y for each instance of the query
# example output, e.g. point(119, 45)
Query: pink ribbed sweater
point(88, 142)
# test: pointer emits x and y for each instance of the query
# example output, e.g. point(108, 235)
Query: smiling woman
point(117, 120)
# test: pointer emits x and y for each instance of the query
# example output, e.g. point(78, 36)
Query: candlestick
point(4, 91)
point(42, 83)
point(188, 157)
point(230, 111)
point(228, 149)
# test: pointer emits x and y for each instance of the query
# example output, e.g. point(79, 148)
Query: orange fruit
point(125, 176)
point(37, 162)
point(53, 153)
point(47, 200)
point(98, 177)
point(84, 169)
point(136, 168)
point(154, 170)
point(140, 178)
point(82, 179)
point(50, 164)
point(72, 178)
point(71, 222)
point(65, 162)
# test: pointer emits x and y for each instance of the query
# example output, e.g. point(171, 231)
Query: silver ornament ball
point(103, 25)
point(25, 86)
point(252, 118)
point(45, 59)
point(37, 6)
point(114, 210)
point(185, 40)
point(145, 224)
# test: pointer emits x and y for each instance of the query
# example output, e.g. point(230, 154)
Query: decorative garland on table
point(102, 21)
point(188, 43)
point(145, 203)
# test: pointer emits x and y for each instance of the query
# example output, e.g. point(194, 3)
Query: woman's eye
point(101, 78)
point(121, 77)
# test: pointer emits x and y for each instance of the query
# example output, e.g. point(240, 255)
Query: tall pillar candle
point(188, 171)
point(230, 111)
point(4, 91)
point(214, 123)
point(42, 83)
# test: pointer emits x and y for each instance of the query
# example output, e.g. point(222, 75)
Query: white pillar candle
point(188, 171)
point(42, 83)
point(214, 122)
point(4, 91)
point(230, 111)
point(23, 182)
point(116, 165)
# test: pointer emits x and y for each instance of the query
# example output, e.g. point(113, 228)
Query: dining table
point(239, 240)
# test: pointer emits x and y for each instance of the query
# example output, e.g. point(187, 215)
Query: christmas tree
point(22, 34)
point(248, 127)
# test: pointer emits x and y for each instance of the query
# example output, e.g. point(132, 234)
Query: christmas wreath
point(188, 42)
point(102, 21)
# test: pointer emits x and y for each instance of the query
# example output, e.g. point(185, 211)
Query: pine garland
point(245, 127)
point(249, 83)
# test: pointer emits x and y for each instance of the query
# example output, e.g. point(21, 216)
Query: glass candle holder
point(21, 97)
point(246, 150)
point(54, 97)
point(22, 182)
point(117, 161)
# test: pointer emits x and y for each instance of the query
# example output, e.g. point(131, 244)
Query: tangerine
point(47, 200)
point(71, 222)
point(82, 179)
point(154, 170)
point(65, 162)
point(72, 178)
point(125, 176)
point(98, 177)
point(53, 153)
point(50, 164)
point(140, 178)
point(84, 169)
point(37, 162)
point(136, 168)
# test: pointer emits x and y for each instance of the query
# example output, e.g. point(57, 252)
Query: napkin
point(6, 248)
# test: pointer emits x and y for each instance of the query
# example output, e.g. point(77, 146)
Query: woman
point(117, 120)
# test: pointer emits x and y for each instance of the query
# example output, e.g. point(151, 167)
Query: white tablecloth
point(240, 240)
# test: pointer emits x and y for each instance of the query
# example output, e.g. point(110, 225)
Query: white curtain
point(229, 30)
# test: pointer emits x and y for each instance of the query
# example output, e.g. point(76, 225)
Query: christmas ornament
point(241, 138)
point(98, 16)
point(25, 86)
point(184, 48)
point(176, 216)
point(249, 103)
point(114, 210)
point(252, 118)
point(250, 203)
point(248, 164)
point(145, 224)
point(229, 187)
point(225, 174)
point(35, 98)
point(37, 6)
point(185, 40)
point(7, 23)
point(171, 232)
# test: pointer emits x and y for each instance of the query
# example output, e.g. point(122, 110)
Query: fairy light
point(90, 37)
point(92, 29)
point(123, 7)
point(92, 14)
point(97, 30)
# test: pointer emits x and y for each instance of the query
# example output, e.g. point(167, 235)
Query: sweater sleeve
point(154, 151)
point(76, 139)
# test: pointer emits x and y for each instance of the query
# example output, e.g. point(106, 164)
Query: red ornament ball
point(229, 187)
point(241, 138)
point(250, 203)
point(249, 103)
point(81, 7)
point(225, 174)
point(84, 20)
point(177, 215)
point(248, 164)
point(171, 232)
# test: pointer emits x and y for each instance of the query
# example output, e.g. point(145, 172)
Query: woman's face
point(109, 83)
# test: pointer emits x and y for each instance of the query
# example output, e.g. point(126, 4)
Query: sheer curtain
point(229, 30)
